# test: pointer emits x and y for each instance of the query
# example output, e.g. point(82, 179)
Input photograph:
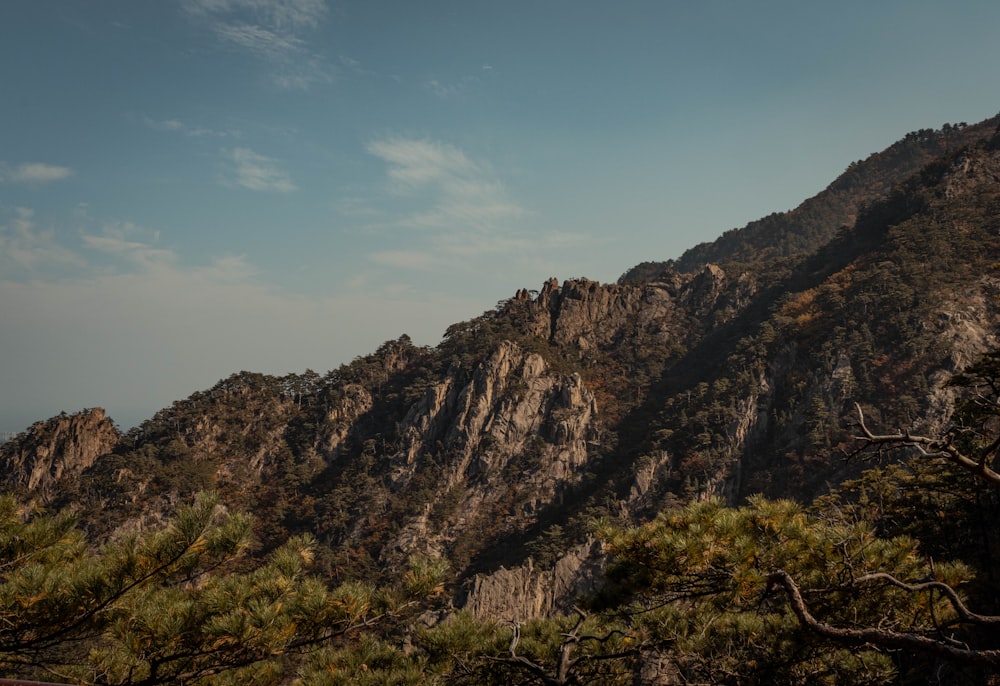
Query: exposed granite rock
point(586, 314)
point(525, 593)
point(340, 419)
point(513, 409)
point(56, 449)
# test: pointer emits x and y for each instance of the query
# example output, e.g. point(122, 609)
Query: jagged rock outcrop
point(356, 400)
point(585, 314)
point(525, 592)
point(38, 460)
point(513, 432)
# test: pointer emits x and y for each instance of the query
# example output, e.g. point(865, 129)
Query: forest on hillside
point(887, 578)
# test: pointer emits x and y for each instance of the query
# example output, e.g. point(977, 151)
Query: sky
point(190, 188)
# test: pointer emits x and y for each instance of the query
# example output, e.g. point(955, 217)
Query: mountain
point(812, 224)
point(729, 372)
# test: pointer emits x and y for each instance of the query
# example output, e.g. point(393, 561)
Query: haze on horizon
point(193, 188)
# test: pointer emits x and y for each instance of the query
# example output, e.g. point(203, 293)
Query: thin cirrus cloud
point(164, 124)
point(256, 172)
point(443, 90)
point(447, 91)
point(31, 254)
point(116, 248)
point(26, 248)
point(259, 40)
point(123, 240)
point(458, 194)
point(413, 162)
point(132, 305)
point(283, 14)
point(177, 126)
point(34, 173)
point(460, 207)
point(274, 31)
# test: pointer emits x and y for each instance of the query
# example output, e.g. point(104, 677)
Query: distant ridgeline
point(7, 436)
point(817, 220)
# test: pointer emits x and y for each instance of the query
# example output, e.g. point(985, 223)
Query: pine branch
point(963, 612)
point(929, 446)
point(881, 638)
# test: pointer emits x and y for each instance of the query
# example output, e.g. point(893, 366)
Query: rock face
point(525, 593)
point(586, 314)
point(513, 432)
point(56, 449)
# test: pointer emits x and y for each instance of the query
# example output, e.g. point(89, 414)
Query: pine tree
point(772, 593)
point(184, 604)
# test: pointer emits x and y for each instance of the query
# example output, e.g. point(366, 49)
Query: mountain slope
point(810, 225)
point(585, 400)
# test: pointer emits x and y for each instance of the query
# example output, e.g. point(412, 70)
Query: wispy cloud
point(354, 65)
point(443, 91)
point(447, 91)
point(458, 194)
point(303, 74)
point(33, 173)
point(132, 243)
point(283, 14)
point(116, 249)
point(415, 162)
point(164, 124)
point(274, 31)
point(25, 247)
point(256, 172)
point(458, 211)
point(178, 126)
point(28, 252)
point(264, 43)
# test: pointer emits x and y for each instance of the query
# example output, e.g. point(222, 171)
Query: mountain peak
point(813, 223)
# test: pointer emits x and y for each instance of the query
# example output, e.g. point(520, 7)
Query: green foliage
point(425, 576)
point(371, 662)
point(452, 651)
point(457, 645)
point(464, 650)
point(176, 605)
point(577, 649)
point(697, 580)
point(566, 650)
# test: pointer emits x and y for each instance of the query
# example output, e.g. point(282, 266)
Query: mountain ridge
point(816, 220)
point(584, 400)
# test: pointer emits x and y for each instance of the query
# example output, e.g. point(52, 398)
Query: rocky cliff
point(57, 450)
point(525, 592)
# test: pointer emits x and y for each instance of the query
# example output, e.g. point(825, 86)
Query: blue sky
point(189, 188)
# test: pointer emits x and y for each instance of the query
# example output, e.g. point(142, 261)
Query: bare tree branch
point(964, 613)
point(566, 673)
point(931, 447)
point(781, 580)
